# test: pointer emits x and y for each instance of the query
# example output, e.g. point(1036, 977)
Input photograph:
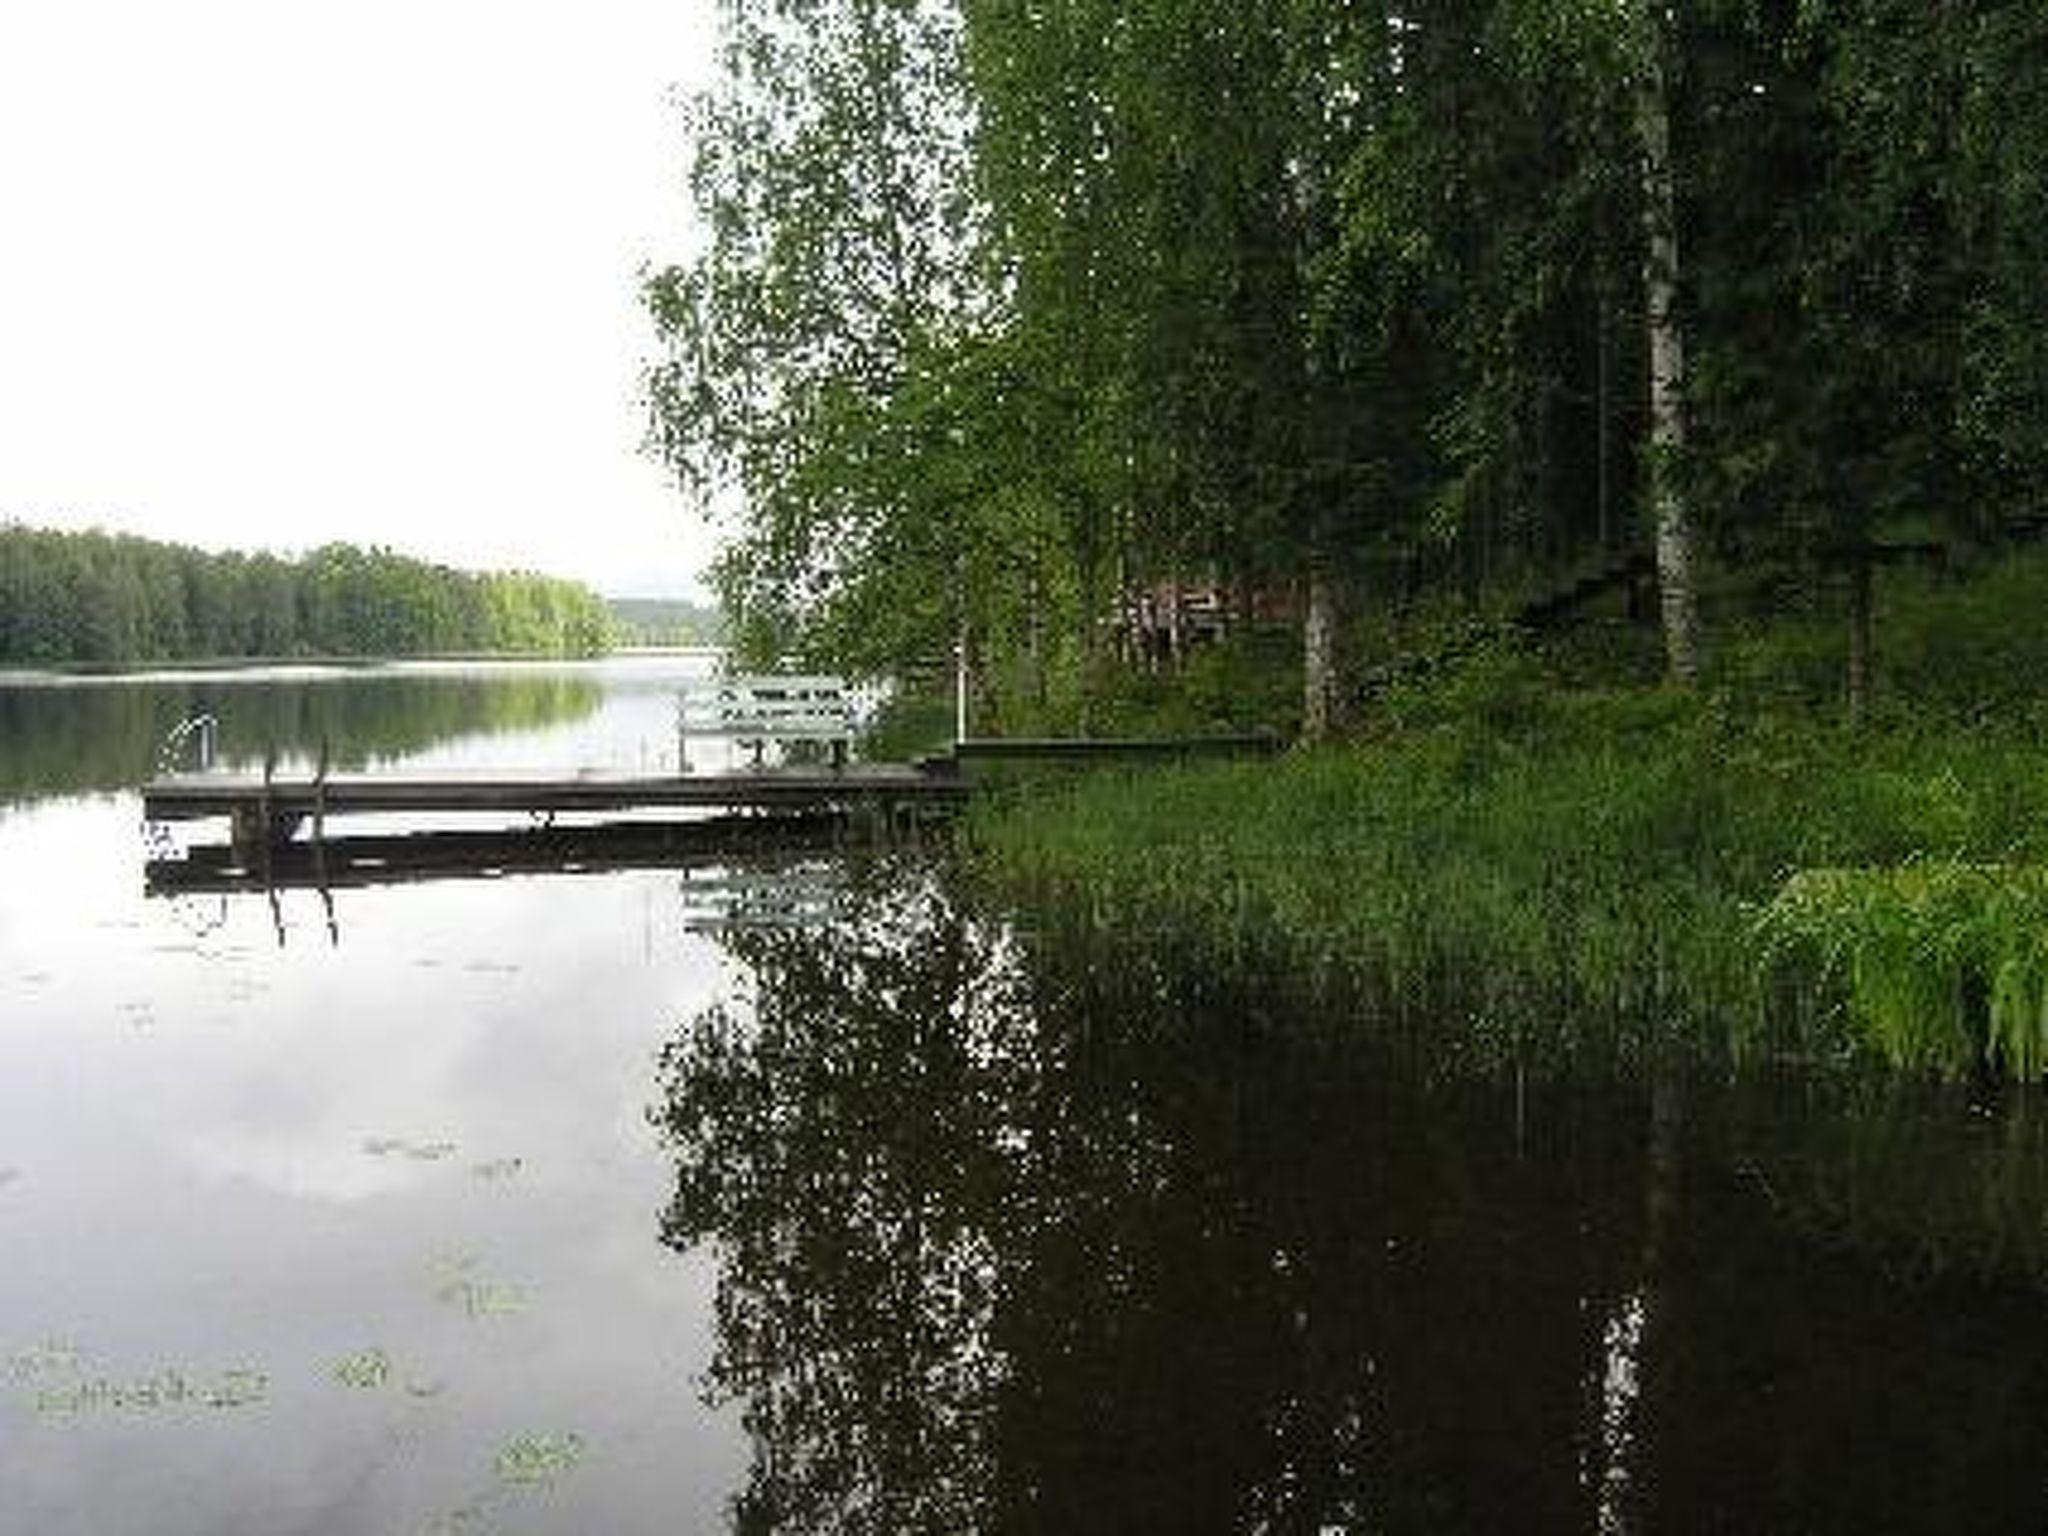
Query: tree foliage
point(830, 174)
point(1010, 310)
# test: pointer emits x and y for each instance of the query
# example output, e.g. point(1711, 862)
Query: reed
point(1943, 963)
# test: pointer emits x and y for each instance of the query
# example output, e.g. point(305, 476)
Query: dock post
point(320, 796)
point(256, 825)
point(266, 833)
point(320, 844)
point(245, 826)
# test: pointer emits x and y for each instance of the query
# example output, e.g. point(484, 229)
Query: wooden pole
point(320, 844)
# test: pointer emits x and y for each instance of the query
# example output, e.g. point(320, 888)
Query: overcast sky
point(275, 272)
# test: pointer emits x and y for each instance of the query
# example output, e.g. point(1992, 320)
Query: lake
point(815, 1192)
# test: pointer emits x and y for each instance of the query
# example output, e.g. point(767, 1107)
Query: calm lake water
point(810, 1195)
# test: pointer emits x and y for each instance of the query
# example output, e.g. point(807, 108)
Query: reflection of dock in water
point(761, 893)
point(737, 872)
point(709, 851)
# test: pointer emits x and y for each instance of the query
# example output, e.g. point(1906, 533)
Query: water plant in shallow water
point(1943, 963)
point(49, 1357)
point(161, 1390)
point(418, 1151)
point(539, 1459)
point(372, 1369)
point(460, 1282)
point(365, 1370)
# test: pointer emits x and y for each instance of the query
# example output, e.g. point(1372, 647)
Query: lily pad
point(463, 1284)
point(539, 1459)
point(365, 1370)
point(50, 1358)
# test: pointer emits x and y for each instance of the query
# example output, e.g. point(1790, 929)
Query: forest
point(1041, 325)
point(663, 621)
point(107, 599)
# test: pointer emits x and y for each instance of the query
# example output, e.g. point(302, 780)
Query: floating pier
point(270, 808)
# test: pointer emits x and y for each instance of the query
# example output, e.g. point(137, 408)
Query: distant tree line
point(1012, 312)
point(110, 598)
point(665, 621)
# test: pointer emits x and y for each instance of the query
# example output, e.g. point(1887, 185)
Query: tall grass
point(1944, 963)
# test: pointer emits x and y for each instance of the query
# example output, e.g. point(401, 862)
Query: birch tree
point(830, 178)
point(1649, 25)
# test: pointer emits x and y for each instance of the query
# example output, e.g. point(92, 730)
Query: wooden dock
point(271, 808)
point(266, 810)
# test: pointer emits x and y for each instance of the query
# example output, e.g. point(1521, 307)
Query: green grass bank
point(1531, 859)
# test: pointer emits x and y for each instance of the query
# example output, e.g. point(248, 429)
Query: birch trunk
point(1604, 431)
point(1318, 658)
point(1859, 639)
point(1667, 349)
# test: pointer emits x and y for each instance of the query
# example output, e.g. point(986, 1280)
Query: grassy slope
point(1561, 865)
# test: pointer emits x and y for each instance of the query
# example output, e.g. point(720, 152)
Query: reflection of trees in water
point(1017, 1236)
point(842, 1142)
point(1904, 1173)
point(65, 739)
point(1853, 1331)
point(1023, 1242)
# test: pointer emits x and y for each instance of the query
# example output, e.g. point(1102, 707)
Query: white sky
point(274, 272)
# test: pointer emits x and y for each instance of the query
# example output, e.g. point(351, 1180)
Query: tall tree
point(830, 177)
point(1650, 29)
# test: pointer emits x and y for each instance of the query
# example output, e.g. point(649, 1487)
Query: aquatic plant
point(1944, 962)
point(542, 1459)
point(365, 1370)
point(459, 1281)
point(417, 1151)
point(168, 1388)
point(47, 1358)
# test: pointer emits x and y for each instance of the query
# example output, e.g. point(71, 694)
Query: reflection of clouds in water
point(202, 1198)
point(208, 1197)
